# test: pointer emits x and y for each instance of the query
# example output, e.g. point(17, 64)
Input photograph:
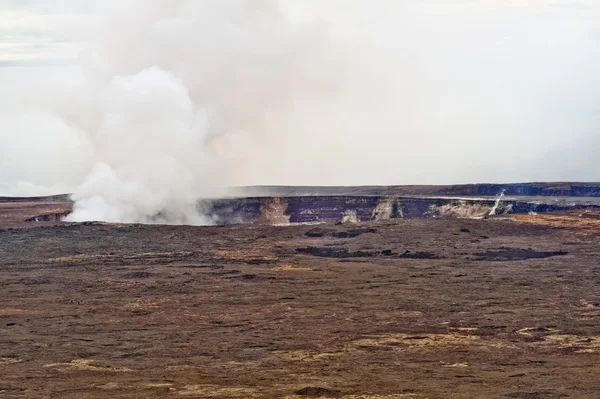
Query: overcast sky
point(42, 32)
point(467, 91)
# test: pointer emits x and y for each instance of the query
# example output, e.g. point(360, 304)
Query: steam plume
point(180, 92)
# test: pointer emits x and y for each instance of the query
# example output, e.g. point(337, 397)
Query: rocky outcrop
point(49, 217)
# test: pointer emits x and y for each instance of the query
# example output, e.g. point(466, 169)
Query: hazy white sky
point(437, 92)
point(49, 31)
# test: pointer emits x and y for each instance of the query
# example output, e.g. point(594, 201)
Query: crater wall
point(340, 208)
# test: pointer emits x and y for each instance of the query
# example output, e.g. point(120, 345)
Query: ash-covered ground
point(401, 308)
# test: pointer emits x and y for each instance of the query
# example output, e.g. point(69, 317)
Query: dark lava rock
point(224, 272)
point(535, 395)
point(316, 392)
point(137, 275)
point(506, 254)
point(465, 230)
point(539, 330)
point(343, 234)
point(363, 254)
point(338, 253)
point(352, 233)
point(419, 255)
point(252, 277)
point(320, 232)
point(259, 261)
point(343, 253)
point(325, 252)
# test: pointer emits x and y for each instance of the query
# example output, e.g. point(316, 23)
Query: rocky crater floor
point(401, 308)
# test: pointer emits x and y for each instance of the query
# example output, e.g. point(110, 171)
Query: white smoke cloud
point(178, 98)
point(149, 139)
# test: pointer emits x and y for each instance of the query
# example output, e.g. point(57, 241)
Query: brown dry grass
point(85, 365)
point(291, 268)
point(585, 222)
point(364, 396)
point(146, 304)
point(17, 311)
point(418, 341)
point(213, 391)
point(144, 255)
point(308, 356)
point(244, 254)
point(577, 343)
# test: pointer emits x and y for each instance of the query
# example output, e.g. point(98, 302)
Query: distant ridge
point(536, 189)
point(48, 198)
point(555, 189)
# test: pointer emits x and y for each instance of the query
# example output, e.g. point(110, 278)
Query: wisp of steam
point(497, 203)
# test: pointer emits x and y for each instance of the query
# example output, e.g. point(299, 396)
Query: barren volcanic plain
point(431, 307)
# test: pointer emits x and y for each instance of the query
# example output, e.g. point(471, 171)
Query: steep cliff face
point(273, 210)
point(316, 209)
